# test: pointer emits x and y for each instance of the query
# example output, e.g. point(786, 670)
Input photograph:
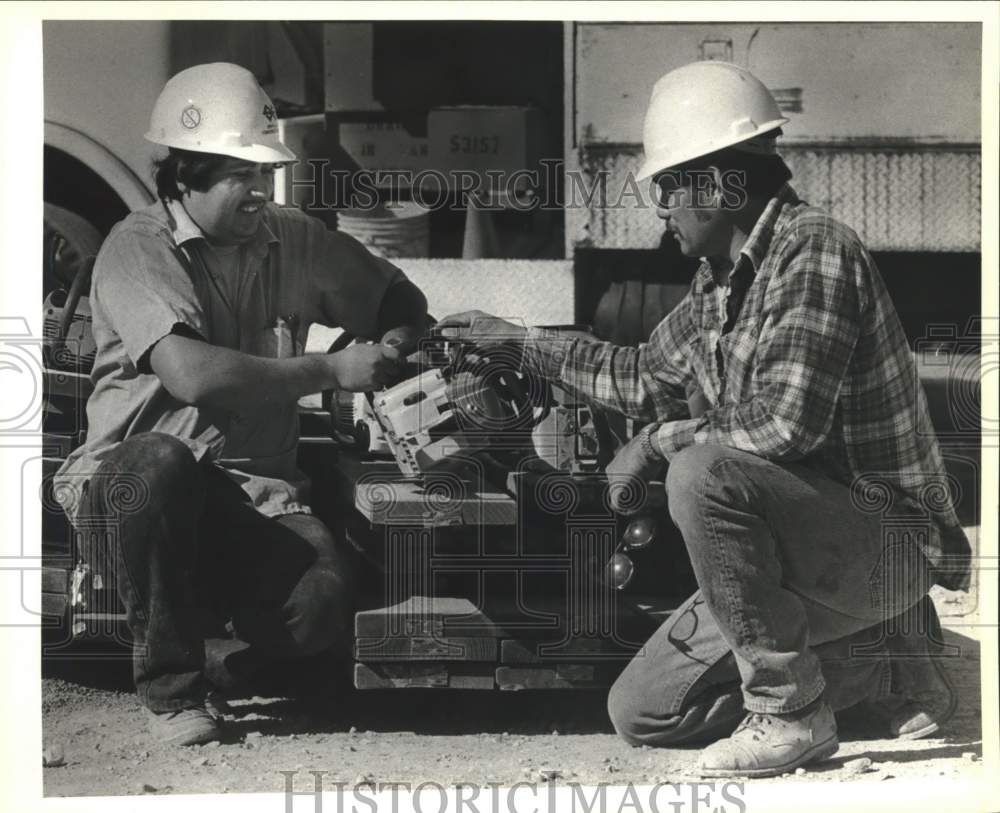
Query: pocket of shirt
point(277, 340)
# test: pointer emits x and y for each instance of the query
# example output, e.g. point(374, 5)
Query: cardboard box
point(385, 146)
point(484, 139)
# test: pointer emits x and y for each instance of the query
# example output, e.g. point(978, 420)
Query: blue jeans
point(796, 584)
point(188, 554)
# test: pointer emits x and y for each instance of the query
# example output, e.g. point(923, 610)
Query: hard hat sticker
point(269, 113)
point(191, 117)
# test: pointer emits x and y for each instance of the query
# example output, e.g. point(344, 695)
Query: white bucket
point(400, 231)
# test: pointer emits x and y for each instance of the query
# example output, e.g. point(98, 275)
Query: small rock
point(249, 746)
point(352, 730)
point(144, 755)
point(606, 761)
point(212, 744)
point(886, 776)
point(555, 732)
point(612, 769)
point(200, 762)
point(53, 757)
point(549, 774)
point(252, 735)
point(862, 765)
point(145, 787)
point(504, 734)
point(800, 771)
point(97, 746)
point(351, 748)
point(970, 756)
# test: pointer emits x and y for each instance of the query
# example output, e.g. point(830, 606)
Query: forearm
point(605, 374)
point(205, 375)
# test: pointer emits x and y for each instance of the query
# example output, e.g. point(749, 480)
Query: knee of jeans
point(161, 459)
point(687, 475)
point(624, 711)
point(319, 614)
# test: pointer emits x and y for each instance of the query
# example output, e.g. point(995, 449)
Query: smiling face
point(228, 211)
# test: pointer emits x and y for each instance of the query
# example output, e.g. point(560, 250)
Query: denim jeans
point(189, 555)
point(796, 584)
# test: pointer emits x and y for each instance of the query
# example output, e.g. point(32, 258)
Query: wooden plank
point(54, 604)
point(425, 648)
point(424, 616)
point(423, 676)
point(575, 650)
point(57, 445)
point(564, 676)
point(536, 617)
point(54, 580)
point(409, 502)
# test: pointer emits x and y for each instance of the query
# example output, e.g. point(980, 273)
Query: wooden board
point(423, 616)
point(424, 648)
point(54, 580)
point(564, 676)
point(424, 676)
point(54, 604)
point(571, 650)
point(406, 502)
point(537, 617)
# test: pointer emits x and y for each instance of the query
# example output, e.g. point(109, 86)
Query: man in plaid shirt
point(802, 469)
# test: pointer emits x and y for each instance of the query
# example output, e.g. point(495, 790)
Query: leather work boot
point(184, 727)
point(773, 744)
point(924, 698)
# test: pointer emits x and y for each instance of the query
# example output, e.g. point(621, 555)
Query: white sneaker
point(772, 744)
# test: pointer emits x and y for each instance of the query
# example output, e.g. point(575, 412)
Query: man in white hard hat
point(187, 494)
point(784, 404)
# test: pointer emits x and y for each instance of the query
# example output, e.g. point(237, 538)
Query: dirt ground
point(448, 737)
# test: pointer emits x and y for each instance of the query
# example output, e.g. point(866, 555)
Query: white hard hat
point(703, 107)
point(218, 108)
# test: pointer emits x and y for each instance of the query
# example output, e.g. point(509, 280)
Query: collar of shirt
point(757, 243)
point(183, 229)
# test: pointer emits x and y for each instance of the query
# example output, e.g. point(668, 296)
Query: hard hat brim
point(254, 153)
point(654, 164)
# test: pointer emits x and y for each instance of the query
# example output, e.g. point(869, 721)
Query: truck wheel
point(68, 240)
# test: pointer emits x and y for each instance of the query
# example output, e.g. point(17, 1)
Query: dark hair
point(193, 169)
point(757, 175)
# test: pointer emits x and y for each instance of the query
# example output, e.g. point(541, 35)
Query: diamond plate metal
point(898, 198)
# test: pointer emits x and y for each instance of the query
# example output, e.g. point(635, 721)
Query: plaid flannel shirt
point(816, 369)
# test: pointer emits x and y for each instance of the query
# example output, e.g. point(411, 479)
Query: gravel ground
point(90, 713)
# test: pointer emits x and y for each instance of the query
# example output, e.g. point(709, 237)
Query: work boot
point(923, 698)
point(217, 703)
point(191, 726)
point(773, 744)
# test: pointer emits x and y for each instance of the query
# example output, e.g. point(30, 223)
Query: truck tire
point(68, 240)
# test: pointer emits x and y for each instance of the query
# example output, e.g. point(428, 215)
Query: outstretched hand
point(482, 329)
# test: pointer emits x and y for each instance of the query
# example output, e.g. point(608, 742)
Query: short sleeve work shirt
point(155, 275)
